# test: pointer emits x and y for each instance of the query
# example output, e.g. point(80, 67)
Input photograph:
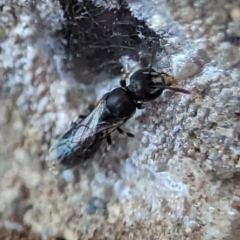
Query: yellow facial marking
point(169, 80)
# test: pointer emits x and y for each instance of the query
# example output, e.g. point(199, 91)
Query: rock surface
point(178, 179)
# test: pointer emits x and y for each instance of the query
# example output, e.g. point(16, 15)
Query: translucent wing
point(82, 140)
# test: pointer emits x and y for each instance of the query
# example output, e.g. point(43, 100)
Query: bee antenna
point(154, 51)
point(181, 90)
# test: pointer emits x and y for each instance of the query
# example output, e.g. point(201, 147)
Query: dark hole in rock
point(97, 37)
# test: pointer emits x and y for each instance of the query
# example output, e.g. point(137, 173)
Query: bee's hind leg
point(109, 140)
point(123, 132)
point(109, 144)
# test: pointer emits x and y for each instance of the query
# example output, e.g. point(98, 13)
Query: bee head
point(148, 85)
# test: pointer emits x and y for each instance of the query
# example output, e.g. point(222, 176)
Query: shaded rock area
point(101, 32)
point(179, 178)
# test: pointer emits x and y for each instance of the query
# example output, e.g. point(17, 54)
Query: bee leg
point(125, 76)
point(124, 79)
point(123, 82)
point(109, 140)
point(140, 105)
point(109, 143)
point(123, 132)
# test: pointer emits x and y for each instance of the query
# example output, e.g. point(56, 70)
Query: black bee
point(85, 135)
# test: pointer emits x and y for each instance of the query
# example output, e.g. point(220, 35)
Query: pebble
point(235, 14)
point(183, 66)
point(21, 155)
point(218, 17)
point(229, 55)
point(42, 104)
point(68, 175)
point(213, 154)
point(176, 129)
point(186, 14)
point(225, 94)
point(234, 29)
point(113, 213)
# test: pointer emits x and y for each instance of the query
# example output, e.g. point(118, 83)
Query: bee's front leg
point(125, 76)
point(140, 105)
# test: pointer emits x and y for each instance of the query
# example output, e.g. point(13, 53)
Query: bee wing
point(66, 146)
point(85, 128)
point(82, 136)
point(93, 121)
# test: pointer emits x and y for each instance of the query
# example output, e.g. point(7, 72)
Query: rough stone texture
point(178, 179)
